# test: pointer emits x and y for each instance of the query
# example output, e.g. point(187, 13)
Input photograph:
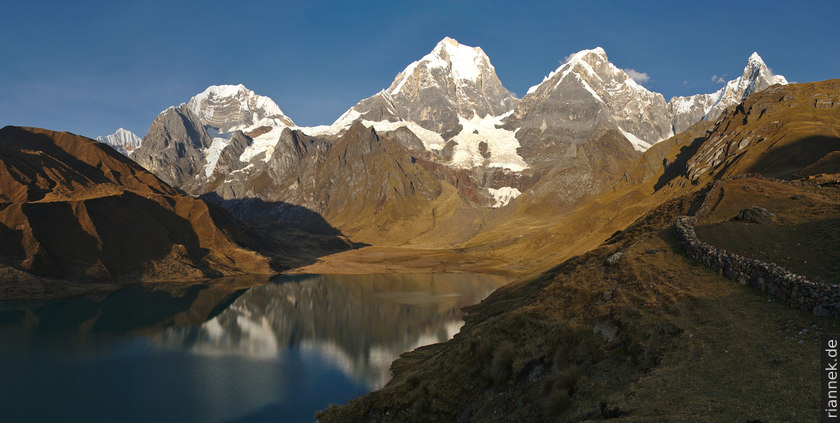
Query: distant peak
point(449, 40)
point(454, 49)
point(226, 90)
point(463, 63)
point(757, 68)
point(597, 52)
point(588, 59)
point(229, 107)
point(754, 62)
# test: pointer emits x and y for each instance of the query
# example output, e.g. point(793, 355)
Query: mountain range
point(575, 188)
point(455, 134)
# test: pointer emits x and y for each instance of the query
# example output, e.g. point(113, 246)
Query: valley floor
point(385, 259)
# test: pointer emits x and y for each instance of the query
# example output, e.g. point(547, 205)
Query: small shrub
point(567, 379)
point(500, 367)
point(412, 381)
point(556, 403)
point(564, 380)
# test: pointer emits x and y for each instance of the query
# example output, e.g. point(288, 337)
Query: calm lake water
point(239, 350)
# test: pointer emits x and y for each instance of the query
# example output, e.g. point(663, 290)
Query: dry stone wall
point(793, 289)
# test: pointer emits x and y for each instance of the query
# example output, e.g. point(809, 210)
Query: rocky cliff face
point(583, 95)
point(174, 147)
point(356, 180)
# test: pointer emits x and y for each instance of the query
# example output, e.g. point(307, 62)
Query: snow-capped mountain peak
point(460, 63)
point(465, 63)
point(231, 107)
point(589, 81)
point(450, 83)
point(122, 140)
point(589, 63)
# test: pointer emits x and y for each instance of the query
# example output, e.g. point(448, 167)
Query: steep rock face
point(173, 147)
point(756, 77)
point(579, 170)
point(364, 171)
point(122, 140)
point(71, 208)
point(583, 95)
point(280, 187)
point(358, 180)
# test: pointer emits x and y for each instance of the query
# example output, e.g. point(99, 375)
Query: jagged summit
point(464, 64)
point(588, 80)
point(451, 83)
point(231, 107)
point(584, 57)
point(756, 77)
point(756, 73)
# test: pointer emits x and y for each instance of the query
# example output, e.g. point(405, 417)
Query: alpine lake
point(233, 350)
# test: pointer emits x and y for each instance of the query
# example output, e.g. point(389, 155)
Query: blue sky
point(90, 67)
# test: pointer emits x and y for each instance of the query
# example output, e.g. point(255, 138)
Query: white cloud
point(718, 79)
point(640, 77)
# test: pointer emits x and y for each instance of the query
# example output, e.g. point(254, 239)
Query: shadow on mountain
point(249, 209)
point(293, 236)
point(130, 230)
point(679, 166)
point(783, 162)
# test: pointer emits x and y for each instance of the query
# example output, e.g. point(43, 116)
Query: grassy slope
point(654, 337)
point(804, 238)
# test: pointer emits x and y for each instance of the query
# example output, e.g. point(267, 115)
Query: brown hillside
point(74, 209)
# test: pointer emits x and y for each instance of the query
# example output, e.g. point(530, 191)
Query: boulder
point(756, 215)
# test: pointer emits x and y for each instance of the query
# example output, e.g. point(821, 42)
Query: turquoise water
point(278, 351)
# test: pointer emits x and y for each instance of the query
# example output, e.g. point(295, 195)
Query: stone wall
point(793, 289)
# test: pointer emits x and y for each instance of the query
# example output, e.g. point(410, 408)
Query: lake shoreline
point(17, 285)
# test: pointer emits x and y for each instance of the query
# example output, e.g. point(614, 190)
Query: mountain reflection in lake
point(277, 351)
